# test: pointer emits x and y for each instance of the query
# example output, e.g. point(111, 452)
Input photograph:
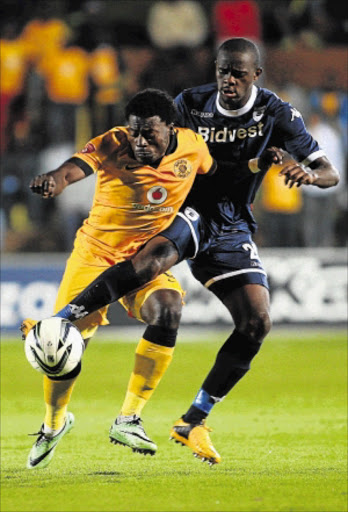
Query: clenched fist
point(44, 184)
point(271, 156)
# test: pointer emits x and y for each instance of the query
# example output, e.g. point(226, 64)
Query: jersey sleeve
point(89, 158)
point(207, 164)
point(293, 136)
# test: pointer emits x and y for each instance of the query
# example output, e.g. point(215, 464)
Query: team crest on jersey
point(89, 148)
point(258, 113)
point(182, 168)
point(157, 195)
point(295, 113)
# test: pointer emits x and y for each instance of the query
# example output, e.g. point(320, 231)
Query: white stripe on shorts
point(192, 233)
point(232, 274)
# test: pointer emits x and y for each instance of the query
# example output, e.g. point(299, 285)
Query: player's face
point(149, 138)
point(235, 75)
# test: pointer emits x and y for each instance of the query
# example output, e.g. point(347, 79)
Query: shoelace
point(138, 422)
point(40, 432)
point(208, 429)
point(203, 425)
point(41, 437)
point(134, 421)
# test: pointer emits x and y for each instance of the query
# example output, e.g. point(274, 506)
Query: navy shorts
point(220, 262)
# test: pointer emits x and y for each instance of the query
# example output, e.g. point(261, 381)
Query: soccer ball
point(54, 347)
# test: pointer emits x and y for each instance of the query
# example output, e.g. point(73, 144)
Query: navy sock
point(231, 364)
point(112, 284)
point(194, 415)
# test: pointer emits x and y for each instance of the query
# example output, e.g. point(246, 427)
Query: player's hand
point(298, 174)
point(271, 156)
point(44, 184)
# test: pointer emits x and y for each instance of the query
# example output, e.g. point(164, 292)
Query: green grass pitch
point(281, 432)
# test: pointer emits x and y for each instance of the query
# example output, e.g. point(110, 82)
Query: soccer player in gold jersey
point(144, 172)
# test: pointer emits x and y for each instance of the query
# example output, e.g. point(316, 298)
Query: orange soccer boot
point(196, 437)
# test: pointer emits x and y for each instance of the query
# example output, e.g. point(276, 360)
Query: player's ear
point(258, 73)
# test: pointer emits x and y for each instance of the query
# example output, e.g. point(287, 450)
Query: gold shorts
point(79, 274)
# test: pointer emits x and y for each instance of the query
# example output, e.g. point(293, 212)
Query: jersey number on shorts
point(252, 249)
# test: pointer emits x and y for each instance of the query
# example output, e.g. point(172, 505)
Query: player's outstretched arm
point(54, 182)
point(320, 173)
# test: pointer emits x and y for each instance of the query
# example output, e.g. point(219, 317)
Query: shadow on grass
point(105, 473)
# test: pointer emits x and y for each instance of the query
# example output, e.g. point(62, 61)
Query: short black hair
point(152, 102)
point(243, 45)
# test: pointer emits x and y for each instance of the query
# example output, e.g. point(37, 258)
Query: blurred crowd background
point(68, 68)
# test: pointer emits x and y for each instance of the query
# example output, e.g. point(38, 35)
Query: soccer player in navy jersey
point(246, 129)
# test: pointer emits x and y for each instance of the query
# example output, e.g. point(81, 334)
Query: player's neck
point(238, 111)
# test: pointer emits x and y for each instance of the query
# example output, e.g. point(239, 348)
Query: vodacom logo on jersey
point(157, 195)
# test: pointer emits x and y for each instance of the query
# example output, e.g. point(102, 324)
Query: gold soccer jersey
point(134, 202)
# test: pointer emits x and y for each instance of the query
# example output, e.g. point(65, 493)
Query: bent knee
point(257, 326)
point(163, 308)
point(169, 316)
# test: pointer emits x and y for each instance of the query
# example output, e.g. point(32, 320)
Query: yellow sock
point(57, 396)
point(151, 363)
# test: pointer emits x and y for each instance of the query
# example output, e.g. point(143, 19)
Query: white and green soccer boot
point(128, 431)
point(43, 449)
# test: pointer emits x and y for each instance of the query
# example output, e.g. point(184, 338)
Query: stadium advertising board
point(307, 286)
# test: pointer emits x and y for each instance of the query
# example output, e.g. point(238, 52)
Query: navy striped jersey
point(234, 137)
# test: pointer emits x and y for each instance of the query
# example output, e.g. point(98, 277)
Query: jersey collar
point(173, 143)
point(240, 111)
